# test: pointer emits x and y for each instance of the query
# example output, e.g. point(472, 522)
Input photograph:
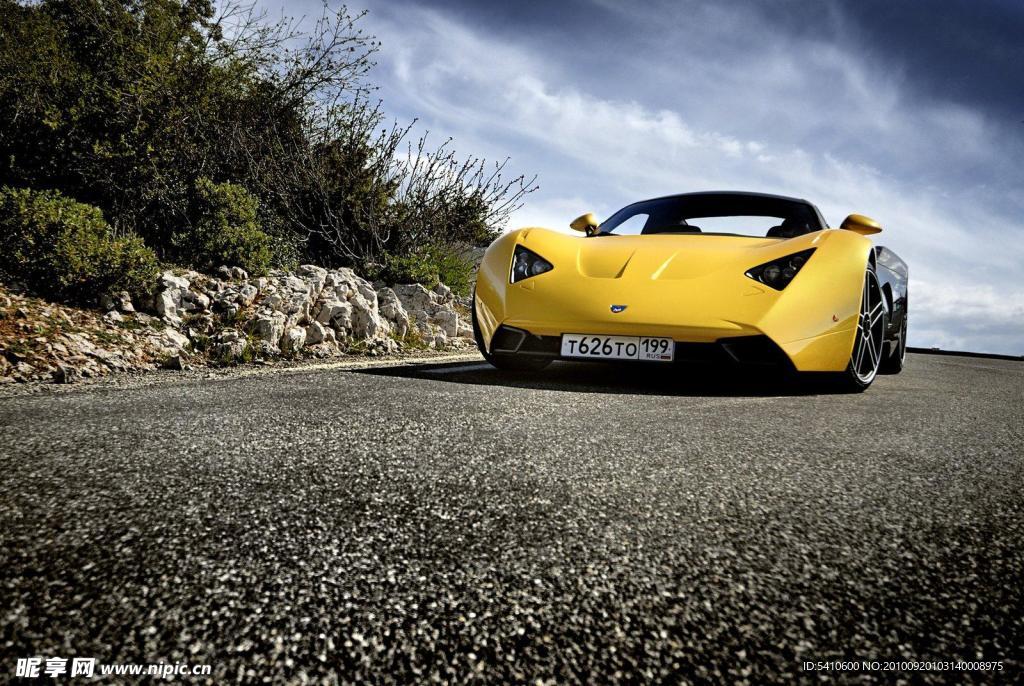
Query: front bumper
point(699, 341)
point(747, 351)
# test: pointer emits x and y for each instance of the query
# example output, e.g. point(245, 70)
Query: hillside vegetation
point(135, 133)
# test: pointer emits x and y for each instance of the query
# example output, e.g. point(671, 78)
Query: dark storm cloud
point(967, 51)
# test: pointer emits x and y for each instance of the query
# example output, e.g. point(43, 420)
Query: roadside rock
point(169, 280)
point(166, 305)
point(229, 346)
point(117, 301)
point(66, 374)
point(124, 302)
point(192, 301)
point(294, 339)
point(315, 277)
point(366, 320)
point(198, 317)
point(273, 302)
point(382, 346)
point(269, 327)
point(231, 273)
point(318, 333)
point(443, 292)
point(176, 361)
point(175, 338)
point(336, 314)
point(266, 350)
point(169, 300)
point(201, 325)
point(390, 307)
point(23, 371)
point(448, 320)
point(415, 297)
point(247, 295)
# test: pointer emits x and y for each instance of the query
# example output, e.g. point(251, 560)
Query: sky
point(909, 112)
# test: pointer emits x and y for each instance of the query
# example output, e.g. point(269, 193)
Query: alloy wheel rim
point(867, 349)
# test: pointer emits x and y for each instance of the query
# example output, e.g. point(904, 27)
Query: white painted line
point(350, 363)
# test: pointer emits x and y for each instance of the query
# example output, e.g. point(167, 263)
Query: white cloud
point(981, 311)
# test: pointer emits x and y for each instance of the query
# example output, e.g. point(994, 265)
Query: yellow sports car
point(731, 277)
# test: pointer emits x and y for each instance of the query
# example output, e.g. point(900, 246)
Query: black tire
point(897, 358)
point(866, 358)
point(512, 363)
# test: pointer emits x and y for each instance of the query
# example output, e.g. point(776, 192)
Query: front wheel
point(867, 347)
point(515, 363)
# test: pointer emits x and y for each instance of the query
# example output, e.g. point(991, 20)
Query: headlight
point(778, 273)
point(526, 264)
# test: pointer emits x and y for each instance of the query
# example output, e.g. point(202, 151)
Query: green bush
point(127, 104)
point(429, 266)
point(65, 249)
point(226, 230)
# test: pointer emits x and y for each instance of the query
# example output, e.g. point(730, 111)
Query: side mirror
point(858, 223)
point(585, 223)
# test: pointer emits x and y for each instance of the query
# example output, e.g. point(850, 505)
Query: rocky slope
point(198, 319)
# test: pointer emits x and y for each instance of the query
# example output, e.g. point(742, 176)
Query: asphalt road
point(455, 523)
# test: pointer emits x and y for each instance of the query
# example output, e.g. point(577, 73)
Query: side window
point(632, 226)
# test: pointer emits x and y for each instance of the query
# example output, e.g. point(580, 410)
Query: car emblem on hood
point(618, 308)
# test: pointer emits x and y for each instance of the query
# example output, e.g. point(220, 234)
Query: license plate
point(593, 346)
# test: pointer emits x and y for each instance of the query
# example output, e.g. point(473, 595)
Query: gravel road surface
point(455, 523)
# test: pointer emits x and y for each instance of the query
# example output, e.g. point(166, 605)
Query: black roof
point(742, 194)
point(747, 193)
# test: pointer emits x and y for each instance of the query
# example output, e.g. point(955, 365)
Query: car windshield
point(729, 214)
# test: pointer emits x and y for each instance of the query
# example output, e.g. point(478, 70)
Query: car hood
point(660, 256)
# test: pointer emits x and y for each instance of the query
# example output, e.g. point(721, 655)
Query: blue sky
point(909, 112)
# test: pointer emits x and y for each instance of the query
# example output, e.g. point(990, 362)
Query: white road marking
point(352, 363)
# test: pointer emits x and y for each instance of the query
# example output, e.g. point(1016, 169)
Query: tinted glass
point(717, 214)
